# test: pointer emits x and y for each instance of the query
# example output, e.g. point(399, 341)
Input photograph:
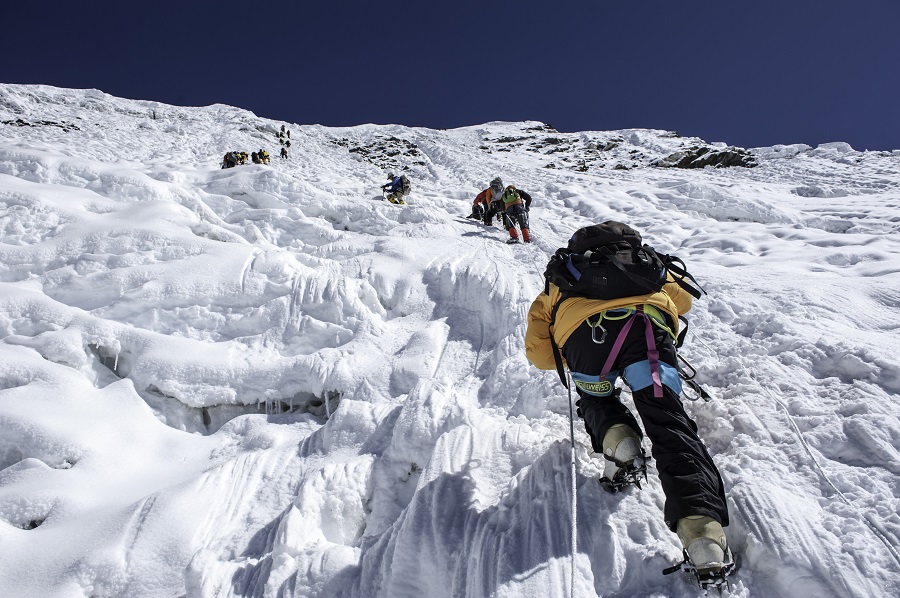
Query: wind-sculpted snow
point(266, 381)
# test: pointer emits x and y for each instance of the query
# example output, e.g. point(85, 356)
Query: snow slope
point(265, 381)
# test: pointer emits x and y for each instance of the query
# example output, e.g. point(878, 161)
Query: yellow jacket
point(672, 299)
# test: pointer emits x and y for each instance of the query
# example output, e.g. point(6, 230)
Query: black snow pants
point(689, 477)
point(517, 214)
point(496, 209)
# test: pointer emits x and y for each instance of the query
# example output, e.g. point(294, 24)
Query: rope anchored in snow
point(574, 506)
point(871, 524)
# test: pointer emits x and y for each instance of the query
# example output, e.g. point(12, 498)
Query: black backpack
point(609, 261)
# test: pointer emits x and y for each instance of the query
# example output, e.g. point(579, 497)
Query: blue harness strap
point(638, 376)
point(597, 386)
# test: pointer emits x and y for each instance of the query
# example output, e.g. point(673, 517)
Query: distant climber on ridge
point(397, 188)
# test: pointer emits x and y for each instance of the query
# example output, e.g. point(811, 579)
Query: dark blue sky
point(750, 73)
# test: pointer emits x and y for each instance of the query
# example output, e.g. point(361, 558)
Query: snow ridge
point(266, 381)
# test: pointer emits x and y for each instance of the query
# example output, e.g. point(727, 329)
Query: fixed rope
point(573, 469)
point(871, 524)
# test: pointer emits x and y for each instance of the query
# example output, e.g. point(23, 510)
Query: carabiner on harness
point(594, 328)
point(610, 314)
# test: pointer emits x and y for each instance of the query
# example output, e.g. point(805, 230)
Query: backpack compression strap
point(611, 257)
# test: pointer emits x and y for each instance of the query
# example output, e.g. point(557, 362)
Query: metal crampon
point(628, 474)
point(709, 576)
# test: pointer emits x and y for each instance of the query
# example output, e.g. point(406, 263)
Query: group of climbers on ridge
point(233, 158)
point(510, 204)
point(505, 202)
point(284, 138)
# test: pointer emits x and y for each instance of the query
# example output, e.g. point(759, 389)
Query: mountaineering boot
point(513, 235)
point(705, 550)
point(526, 235)
point(703, 539)
point(625, 459)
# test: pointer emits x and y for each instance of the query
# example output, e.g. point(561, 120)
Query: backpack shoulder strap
point(557, 353)
point(683, 333)
point(679, 273)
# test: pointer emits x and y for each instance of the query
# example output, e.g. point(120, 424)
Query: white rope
point(573, 470)
point(876, 529)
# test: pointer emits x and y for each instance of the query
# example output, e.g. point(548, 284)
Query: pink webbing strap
point(617, 346)
point(652, 354)
point(652, 351)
